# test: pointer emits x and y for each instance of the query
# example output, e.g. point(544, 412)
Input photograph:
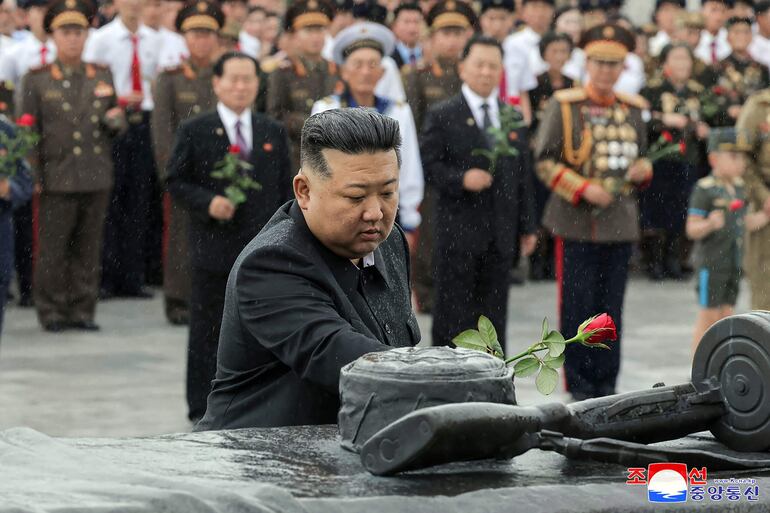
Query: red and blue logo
point(667, 482)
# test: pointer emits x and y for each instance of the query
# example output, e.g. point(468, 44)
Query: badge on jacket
point(103, 89)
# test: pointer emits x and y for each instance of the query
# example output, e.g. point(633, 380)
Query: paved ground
point(128, 379)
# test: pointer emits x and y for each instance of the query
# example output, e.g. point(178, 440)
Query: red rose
point(514, 101)
point(736, 205)
point(27, 120)
point(682, 148)
point(235, 149)
point(666, 135)
point(600, 329)
point(718, 90)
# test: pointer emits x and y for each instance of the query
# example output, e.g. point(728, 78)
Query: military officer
point(293, 89)
point(359, 51)
point(180, 93)
point(589, 152)
point(451, 23)
point(755, 120)
point(76, 114)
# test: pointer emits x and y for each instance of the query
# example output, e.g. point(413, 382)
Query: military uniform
point(718, 256)
point(294, 88)
point(74, 167)
point(584, 138)
point(755, 120)
point(664, 202)
point(292, 91)
point(737, 80)
point(426, 84)
point(180, 93)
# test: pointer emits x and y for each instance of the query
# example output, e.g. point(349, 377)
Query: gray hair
point(352, 131)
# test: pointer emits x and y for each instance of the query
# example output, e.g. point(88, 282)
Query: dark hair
point(761, 7)
point(407, 6)
point(479, 39)
point(352, 131)
point(737, 20)
point(554, 37)
point(219, 66)
point(673, 46)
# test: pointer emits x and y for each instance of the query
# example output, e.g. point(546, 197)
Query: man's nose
point(372, 210)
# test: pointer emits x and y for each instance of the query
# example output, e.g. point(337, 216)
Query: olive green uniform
point(426, 85)
point(718, 256)
point(74, 167)
point(180, 93)
point(293, 89)
point(755, 120)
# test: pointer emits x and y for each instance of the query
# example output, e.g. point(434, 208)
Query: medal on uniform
point(600, 132)
point(614, 163)
point(615, 148)
point(602, 164)
point(103, 89)
point(602, 148)
point(619, 115)
point(612, 132)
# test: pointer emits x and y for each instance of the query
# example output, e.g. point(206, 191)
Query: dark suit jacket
point(200, 143)
point(499, 214)
point(294, 315)
point(396, 55)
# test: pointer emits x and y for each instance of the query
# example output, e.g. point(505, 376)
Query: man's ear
point(301, 186)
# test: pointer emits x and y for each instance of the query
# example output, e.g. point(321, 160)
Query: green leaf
point(547, 380)
point(235, 195)
point(470, 339)
point(545, 328)
point(554, 362)
point(489, 335)
point(555, 343)
point(526, 367)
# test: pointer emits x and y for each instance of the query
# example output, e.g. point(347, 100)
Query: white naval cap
point(363, 35)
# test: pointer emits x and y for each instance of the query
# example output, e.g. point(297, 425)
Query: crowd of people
point(550, 131)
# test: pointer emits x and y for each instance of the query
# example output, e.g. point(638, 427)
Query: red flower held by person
point(736, 205)
point(682, 148)
point(26, 120)
point(235, 149)
point(666, 135)
point(718, 90)
point(597, 330)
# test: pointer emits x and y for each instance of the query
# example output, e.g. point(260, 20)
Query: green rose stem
point(591, 333)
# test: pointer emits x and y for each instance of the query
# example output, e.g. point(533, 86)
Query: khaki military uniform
point(581, 141)
point(180, 93)
point(74, 166)
point(426, 85)
point(293, 89)
point(755, 119)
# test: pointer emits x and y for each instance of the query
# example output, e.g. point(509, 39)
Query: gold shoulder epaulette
point(634, 100)
point(571, 95)
point(695, 86)
point(707, 182)
point(655, 82)
point(38, 69)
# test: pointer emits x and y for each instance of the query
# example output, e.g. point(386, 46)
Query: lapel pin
point(219, 131)
point(470, 121)
point(267, 147)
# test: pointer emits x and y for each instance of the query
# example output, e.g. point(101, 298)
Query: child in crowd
point(716, 219)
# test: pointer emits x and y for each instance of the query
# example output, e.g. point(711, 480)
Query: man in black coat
point(326, 281)
point(481, 218)
point(220, 228)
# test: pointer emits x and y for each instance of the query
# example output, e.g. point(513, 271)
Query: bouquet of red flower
point(715, 99)
point(502, 138)
point(235, 172)
point(17, 147)
point(592, 333)
point(665, 147)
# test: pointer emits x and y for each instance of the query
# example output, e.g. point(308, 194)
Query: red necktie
point(136, 70)
point(43, 53)
point(714, 59)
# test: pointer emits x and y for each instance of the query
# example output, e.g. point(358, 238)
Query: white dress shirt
point(173, 49)
point(760, 49)
point(23, 55)
point(519, 75)
point(703, 51)
point(658, 43)
point(230, 118)
point(111, 46)
point(249, 44)
point(475, 102)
